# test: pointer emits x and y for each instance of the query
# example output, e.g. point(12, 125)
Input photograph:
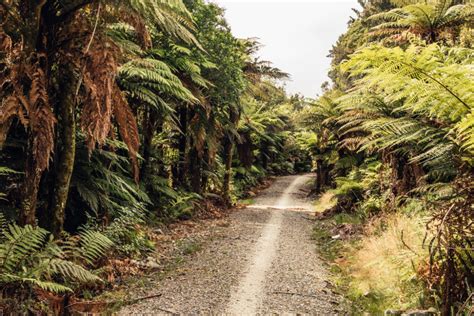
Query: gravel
point(263, 262)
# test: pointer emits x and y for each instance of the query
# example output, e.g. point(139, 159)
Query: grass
point(385, 266)
point(247, 202)
point(376, 270)
point(325, 202)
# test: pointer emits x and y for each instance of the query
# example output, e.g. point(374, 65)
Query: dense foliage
point(395, 130)
point(119, 115)
point(116, 115)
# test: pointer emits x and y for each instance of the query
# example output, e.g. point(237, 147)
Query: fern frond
point(53, 287)
point(93, 245)
point(19, 243)
point(70, 270)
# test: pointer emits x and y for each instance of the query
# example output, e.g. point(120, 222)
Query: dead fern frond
point(127, 126)
point(42, 120)
point(99, 81)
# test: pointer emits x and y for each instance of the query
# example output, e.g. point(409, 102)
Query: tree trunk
point(228, 171)
point(148, 133)
point(30, 12)
point(195, 170)
point(65, 163)
point(183, 126)
point(228, 150)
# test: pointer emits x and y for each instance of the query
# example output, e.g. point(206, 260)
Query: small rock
point(152, 265)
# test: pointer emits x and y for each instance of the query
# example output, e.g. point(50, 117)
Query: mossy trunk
point(66, 157)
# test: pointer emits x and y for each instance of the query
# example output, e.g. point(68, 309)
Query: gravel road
point(263, 262)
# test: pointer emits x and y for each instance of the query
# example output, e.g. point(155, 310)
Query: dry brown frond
point(99, 82)
point(42, 120)
point(127, 127)
point(141, 30)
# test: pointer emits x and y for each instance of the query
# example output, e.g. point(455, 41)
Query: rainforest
point(152, 162)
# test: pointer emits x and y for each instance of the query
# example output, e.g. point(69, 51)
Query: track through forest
point(263, 262)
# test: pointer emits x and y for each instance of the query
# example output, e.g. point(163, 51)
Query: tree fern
point(20, 243)
point(170, 16)
point(429, 82)
point(429, 20)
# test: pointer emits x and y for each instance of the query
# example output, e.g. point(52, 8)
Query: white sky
point(297, 34)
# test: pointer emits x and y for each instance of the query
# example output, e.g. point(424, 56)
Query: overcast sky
point(297, 34)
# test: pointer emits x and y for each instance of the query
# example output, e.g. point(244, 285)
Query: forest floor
point(261, 261)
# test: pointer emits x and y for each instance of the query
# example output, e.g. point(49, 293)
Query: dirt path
point(264, 262)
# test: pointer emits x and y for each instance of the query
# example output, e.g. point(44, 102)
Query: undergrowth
point(382, 266)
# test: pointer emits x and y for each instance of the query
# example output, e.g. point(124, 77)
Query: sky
point(297, 35)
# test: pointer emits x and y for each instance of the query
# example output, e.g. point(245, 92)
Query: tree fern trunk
point(183, 126)
point(67, 138)
point(195, 170)
point(228, 151)
point(228, 146)
point(319, 176)
point(30, 189)
point(206, 167)
point(148, 133)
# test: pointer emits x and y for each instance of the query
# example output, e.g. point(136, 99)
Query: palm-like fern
point(431, 20)
point(151, 81)
point(430, 91)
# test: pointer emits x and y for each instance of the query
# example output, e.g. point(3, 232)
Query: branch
point(438, 82)
point(87, 50)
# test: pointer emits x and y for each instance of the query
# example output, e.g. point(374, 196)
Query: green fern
point(424, 103)
point(431, 21)
point(29, 256)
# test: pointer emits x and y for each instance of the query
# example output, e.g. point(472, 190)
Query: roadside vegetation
point(116, 118)
point(121, 118)
point(395, 156)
